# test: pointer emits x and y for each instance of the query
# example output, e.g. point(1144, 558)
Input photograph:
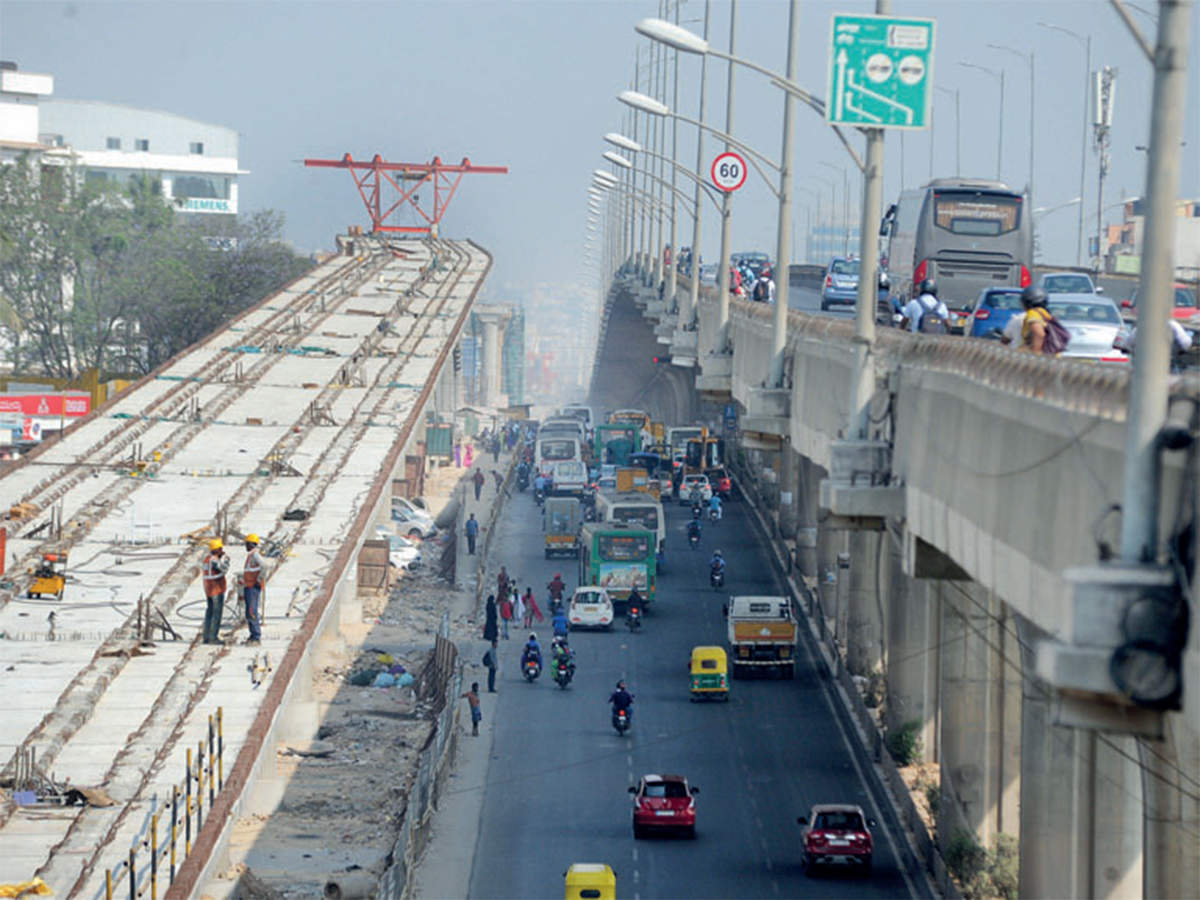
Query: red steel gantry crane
point(372, 177)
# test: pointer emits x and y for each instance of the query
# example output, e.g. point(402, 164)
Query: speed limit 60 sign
point(729, 171)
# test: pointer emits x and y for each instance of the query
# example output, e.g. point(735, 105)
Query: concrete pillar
point(864, 636)
point(490, 364)
point(1081, 808)
point(1170, 769)
point(913, 651)
point(789, 489)
point(806, 517)
point(830, 577)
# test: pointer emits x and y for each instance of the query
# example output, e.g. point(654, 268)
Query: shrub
point(983, 873)
point(904, 743)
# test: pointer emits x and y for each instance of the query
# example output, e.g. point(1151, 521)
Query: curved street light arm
point(753, 156)
point(651, 202)
point(688, 173)
point(680, 194)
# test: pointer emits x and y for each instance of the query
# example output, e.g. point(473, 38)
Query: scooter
point(562, 674)
point(714, 514)
point(522, 479)
point(633, 618)
point(539, 495)
point(694, 539)
point(716, 578)
point(697, 510)
point(620, 720)
point(531, 670)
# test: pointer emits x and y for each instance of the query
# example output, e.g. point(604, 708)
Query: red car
point(722, 484)
point(1184, 305)
point(663, 802)
point(837, 833)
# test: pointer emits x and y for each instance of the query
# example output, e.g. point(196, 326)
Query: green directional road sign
point(880, 72)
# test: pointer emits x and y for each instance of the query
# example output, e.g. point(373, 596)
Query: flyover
point(935, 557)
point(293, 422)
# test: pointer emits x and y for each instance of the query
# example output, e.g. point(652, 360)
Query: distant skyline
point(531, 85)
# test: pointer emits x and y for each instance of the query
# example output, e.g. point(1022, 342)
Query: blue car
point(840, 286)
point(993, 309)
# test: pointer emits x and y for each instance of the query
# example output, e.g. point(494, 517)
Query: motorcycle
point(717, 578)
point(697, 510)
point(714, 514)
point(620, 720)
point(522, 479)
point(562, 674)
point(694, 539)
point(539, 495)
point(531, 670)
point(633, 618)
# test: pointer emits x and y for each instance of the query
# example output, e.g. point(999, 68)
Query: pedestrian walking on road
point(531, 608)
point(490, 625)
point(213, 570)
point(495, 448)
point(478, 480)
point(506, 614)
point(468, 455)
point(252, 587)
point(502, 582)
point(458, 454)
point(518, 608)
point(499, 481)
point(490, 662)
point(472, 531)
point(472, 698)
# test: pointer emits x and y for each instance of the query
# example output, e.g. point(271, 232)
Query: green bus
point(618, 558)
point(614, 443)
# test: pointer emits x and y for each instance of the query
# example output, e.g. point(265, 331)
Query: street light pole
point(1029, 58)
point(1000, 138)
point(957, 129)
point(783, 237)
point(673, 274)
point(721, 345)
point(687, 313)
point(1083, 141)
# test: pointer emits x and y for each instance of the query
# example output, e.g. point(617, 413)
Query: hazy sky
point(531, 85)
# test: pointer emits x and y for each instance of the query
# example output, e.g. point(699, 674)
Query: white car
point(694, 482)
point(403, 553)
point(590, 607)
point(411, 520)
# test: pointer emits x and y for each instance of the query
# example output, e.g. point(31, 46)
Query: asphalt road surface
point(556, 788)
point(808, 300)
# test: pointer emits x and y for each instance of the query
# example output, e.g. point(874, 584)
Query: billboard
point(69, 405)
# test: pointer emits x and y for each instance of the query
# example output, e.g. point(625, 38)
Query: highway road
point(556, 785)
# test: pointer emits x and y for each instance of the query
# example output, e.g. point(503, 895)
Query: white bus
point(581, 412)
point(635, 508)
point(555, 448)
point(678, 437)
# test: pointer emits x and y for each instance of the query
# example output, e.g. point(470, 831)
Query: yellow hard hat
point(252, 538)
point(216, 544)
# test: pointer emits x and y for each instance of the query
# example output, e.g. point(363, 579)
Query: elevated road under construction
point(291, 422)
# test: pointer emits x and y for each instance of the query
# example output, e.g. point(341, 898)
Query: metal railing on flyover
point(204, 773)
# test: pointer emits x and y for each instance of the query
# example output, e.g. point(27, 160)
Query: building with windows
point(20, 95)
point(194, 163)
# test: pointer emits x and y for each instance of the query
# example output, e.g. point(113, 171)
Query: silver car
point(1094, 323)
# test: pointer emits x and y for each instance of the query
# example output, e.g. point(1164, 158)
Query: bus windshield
point(642, 516)
point(622, 547)
point(974, 213)
point(558, 450)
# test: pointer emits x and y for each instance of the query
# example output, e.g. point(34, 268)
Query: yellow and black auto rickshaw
point(709, 673)
point(591, 881)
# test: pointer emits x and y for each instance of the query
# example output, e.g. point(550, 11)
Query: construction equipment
point(50, 577)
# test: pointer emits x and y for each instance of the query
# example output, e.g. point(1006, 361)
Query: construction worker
point(213, 570)
point(252, 586)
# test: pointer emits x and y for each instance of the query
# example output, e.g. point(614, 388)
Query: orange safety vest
point(251, 574)
point(214, 575)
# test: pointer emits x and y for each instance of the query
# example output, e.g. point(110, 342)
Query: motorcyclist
point(634, 605)
point(539, 483)
point(532, 650)
point(560, 624)
point(696, 496)
point(523, 471)
point(714, 506)
point(556, 588)
point(717, 563)
point(560, 651)
point(621, 699)
point(694, 529)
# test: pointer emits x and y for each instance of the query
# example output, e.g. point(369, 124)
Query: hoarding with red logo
point(69, 405)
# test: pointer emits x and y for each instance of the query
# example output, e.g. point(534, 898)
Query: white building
point(19, 98)
point(195, 162)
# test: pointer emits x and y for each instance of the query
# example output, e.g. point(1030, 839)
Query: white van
point(635, 508)
point(579, 411)
point(569, 477)
point(555, 448)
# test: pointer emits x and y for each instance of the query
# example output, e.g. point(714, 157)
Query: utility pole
point(783, 238)
point(722, 342)
point(673, 273)
point(1169, 849)
point(1105, 97)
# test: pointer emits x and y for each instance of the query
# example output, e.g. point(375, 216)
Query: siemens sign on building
point(194, 162)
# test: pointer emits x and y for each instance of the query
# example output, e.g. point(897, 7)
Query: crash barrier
point(425, 788)
point(806, 603)
point(204, 775)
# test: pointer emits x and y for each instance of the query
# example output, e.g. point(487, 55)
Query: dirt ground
point(345, 790)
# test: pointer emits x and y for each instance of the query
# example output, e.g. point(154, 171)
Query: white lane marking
point(636, 875)
point(775, 887)
point(827, 693)
point(770, 867)
point(635, 854)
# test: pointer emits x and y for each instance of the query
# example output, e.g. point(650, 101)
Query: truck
point(762, 635)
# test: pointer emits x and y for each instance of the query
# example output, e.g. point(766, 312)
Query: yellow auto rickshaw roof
point(706, 652)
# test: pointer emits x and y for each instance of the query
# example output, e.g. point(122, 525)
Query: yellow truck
point(630, 478)
point(762, 635)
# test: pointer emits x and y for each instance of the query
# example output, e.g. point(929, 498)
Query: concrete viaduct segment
point(938, 557)
point(292, 422)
